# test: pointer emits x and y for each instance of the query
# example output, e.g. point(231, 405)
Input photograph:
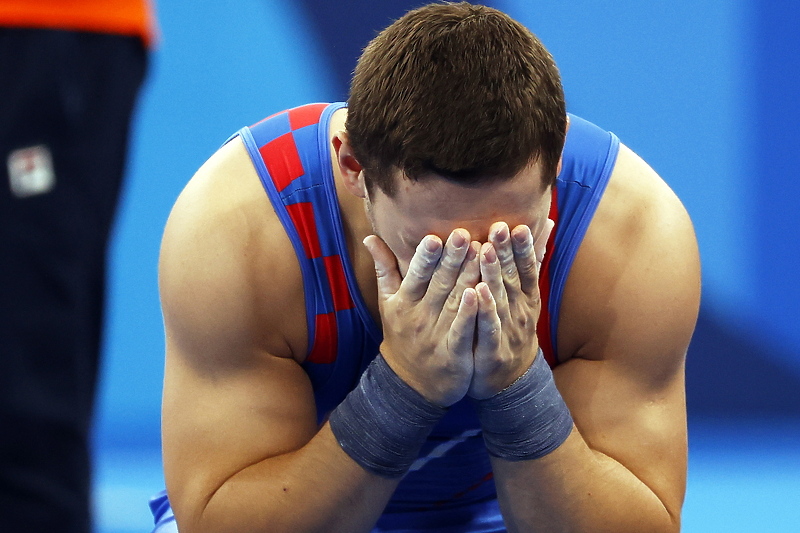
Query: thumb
point(388, 275)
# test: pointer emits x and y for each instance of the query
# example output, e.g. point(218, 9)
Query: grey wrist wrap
point(383, 422)
point(527, 420)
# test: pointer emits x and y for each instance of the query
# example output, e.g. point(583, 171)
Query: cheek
point(402, 267)
point(403, 255)
point(389, 226)
point(402, 252)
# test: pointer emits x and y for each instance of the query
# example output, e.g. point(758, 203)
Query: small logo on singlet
point(30, 171)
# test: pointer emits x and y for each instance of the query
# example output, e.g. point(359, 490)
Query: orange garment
point(125, 17)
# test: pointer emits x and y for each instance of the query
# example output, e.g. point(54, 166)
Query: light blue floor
point(743, 477)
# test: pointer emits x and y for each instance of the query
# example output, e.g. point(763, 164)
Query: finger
point(540, 246)
point(525, 257)
point(421, 268)
point(388, 275)
point(468, 277)
point(447, 271)
point(461, 336)
point(488, 325)
point(500, 237)
point(493, 278)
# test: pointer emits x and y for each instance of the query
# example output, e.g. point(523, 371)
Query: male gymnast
point(504, 352)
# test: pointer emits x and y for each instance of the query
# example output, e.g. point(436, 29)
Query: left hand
point(508, 307)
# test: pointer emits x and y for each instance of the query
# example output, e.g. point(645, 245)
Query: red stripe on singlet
point(543, 326)
point(282, 160)
point(302, 215)
point(306, 115)
point(338, 283)
point(326, 339)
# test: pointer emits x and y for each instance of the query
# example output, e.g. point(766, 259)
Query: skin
point(455, 282)
point(242, 451)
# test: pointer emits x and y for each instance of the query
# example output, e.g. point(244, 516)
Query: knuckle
point(452, 302)
point(524, 249)
point(506, 259)
point(450, 264)
point(431, 260)
point(447, 270)
point(493, 330)
point(506, 254)
point(493, 363)
point(424, 263)
point(419, 276)
point(491, 366)
point(446, 367)
point(418, 324)
point(528, 268)
point(516, 341)
point(416, 273)
point(438, 285)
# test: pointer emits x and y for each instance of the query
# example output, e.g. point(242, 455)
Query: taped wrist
point(383, 422)
point(527, 420)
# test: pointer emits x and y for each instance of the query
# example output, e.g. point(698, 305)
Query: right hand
point(429, 316)
point(509, 304)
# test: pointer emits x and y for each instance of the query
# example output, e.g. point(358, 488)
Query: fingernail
point(521, 237)
point(491, 255)
point(470, 296)
point(431, 244)
point(483, 289)
point(501, 234)
point(458, 239)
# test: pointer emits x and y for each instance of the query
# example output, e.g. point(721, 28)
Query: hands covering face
point(463, 319)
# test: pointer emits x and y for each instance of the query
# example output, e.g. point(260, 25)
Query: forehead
point(436, 205)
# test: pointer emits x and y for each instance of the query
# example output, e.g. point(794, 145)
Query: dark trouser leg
point(71, 93)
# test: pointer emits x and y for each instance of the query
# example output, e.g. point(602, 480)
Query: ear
point(561, 159)
point(349, 167)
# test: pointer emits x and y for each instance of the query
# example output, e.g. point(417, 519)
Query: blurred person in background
point(70, 73)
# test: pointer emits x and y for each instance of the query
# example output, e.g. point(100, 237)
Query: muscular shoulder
point(227, 267)
point(633, 291)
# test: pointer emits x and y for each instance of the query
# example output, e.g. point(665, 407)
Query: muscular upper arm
point(233, 394)
point(628, 314)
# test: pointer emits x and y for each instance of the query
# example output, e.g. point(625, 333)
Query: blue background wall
point(706, 91)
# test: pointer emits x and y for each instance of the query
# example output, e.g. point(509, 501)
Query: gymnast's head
point(456, 119)
point(457, 91)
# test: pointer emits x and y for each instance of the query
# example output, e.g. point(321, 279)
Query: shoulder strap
point(588, 161)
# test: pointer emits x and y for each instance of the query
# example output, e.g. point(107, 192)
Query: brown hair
point(458, 90)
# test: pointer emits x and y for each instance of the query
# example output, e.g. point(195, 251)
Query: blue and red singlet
point(449, 488)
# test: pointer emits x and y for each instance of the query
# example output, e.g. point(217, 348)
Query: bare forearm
point(578, 489)
point(316, 488)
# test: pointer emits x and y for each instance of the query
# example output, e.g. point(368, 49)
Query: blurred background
point(706, 91)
